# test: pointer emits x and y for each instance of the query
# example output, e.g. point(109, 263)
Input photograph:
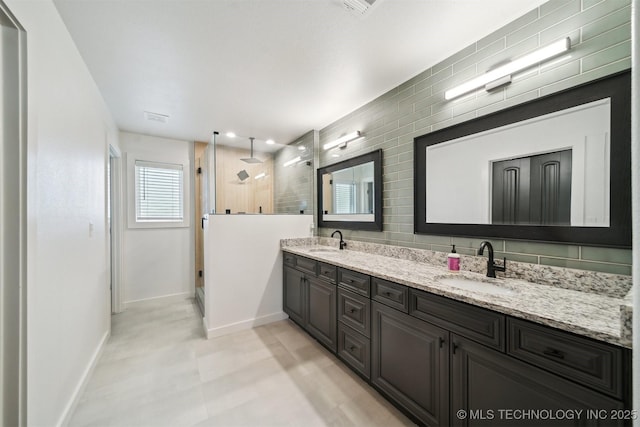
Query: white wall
point(69, 128)
point(243, 269)
point(157, 262)
point(466, 162)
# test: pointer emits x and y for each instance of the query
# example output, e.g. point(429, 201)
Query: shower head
point(251, 159)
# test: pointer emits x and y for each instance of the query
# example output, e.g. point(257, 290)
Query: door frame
point(13, 323)
point(114, 242)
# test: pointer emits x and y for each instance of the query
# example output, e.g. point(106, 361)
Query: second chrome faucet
point(492, 267)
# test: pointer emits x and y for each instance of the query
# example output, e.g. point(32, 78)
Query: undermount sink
point(477, 286)
point(324, 250)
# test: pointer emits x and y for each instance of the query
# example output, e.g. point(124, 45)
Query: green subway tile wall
point(600, 35)
point(293, 185)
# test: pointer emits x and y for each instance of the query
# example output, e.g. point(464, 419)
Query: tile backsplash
point(600, 33)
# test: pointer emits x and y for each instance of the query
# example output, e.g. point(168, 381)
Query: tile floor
point(158, 369)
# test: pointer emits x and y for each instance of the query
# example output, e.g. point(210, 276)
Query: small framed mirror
point(350, 193)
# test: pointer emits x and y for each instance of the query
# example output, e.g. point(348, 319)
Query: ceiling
point(271, 69)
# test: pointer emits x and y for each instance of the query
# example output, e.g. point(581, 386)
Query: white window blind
point(159, 191)
point(344, 198)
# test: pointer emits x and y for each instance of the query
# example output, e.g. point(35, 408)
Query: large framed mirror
point(555, 169)
point(350, 193)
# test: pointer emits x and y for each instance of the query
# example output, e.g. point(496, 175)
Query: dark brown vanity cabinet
point(309, 298)
point(489, 388)
point(410, 363)
point(445, 362)
point(321, 311)
point(354, 321)
point(295, 295)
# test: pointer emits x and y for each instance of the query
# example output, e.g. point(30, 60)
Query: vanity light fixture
point(502, 74)
point(292, 161)
point(343, 140)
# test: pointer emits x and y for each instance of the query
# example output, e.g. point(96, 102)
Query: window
point(159, 192)
point(344, 198)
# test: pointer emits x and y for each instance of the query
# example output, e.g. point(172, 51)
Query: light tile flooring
point(158, 369)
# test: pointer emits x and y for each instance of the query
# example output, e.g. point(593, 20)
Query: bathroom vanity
point(461, 349)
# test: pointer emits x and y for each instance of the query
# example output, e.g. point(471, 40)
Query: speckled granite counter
point(592, 313)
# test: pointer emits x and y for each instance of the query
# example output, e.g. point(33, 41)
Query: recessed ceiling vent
point(156, 117)
point(359, 7)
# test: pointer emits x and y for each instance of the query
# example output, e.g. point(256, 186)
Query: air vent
point(156, 117)
point(359, 7)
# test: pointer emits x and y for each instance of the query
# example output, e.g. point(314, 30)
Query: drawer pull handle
point(352, 348)
point(440, 341)
point(387, 294)
point(349, 280)
point(554, 353)
point(353, 310)
point(454, 347)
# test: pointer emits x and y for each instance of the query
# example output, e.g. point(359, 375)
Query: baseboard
point(170, 297)
point(243, 325)
point(82, 385)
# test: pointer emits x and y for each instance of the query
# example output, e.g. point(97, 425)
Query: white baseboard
point(170, 297)
point(243, 325)
point(82, 384)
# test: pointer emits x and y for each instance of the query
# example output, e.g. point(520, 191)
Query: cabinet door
point(295, 296)
point(321, 318)
point(489, 388)
point(410, 364)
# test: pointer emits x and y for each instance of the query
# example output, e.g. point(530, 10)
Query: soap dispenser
point(453, 260)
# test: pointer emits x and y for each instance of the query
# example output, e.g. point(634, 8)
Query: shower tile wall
point(294, 184)
point(600, 34)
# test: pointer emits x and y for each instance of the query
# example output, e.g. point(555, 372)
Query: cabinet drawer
point(594, 364)
point(481, 325)
point(391, 294)
point(355, 350)
point(355, 281)
point(289, 259)
point(327, 272)
point(355, 311)
point(307, 265)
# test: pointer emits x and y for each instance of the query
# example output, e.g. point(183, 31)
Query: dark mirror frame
point(618, 234)
point(376, 225)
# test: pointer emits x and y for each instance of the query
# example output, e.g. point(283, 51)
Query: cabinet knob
point(353, 310)
point(352, 348)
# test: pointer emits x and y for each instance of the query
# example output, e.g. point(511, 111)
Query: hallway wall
point(157, 262)
point(69, 129)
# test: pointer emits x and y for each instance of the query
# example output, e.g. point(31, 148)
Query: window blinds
point(159, 191)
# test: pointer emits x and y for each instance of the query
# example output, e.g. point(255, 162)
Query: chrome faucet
point(492, 267)
point(343, 244)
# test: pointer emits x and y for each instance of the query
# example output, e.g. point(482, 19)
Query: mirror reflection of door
point(532, 190)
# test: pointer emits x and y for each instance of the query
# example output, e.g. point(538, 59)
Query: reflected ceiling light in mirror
point(270, 142)
point(503, 73)
point(343, 140)
point(260, 175)
point(292, 161)
point(301, 148)
point(231, 134)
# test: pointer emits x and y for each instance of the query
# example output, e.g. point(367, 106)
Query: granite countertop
point(595, 315)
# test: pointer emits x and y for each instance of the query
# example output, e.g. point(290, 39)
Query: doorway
point(114, 226)
point(13, 208)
